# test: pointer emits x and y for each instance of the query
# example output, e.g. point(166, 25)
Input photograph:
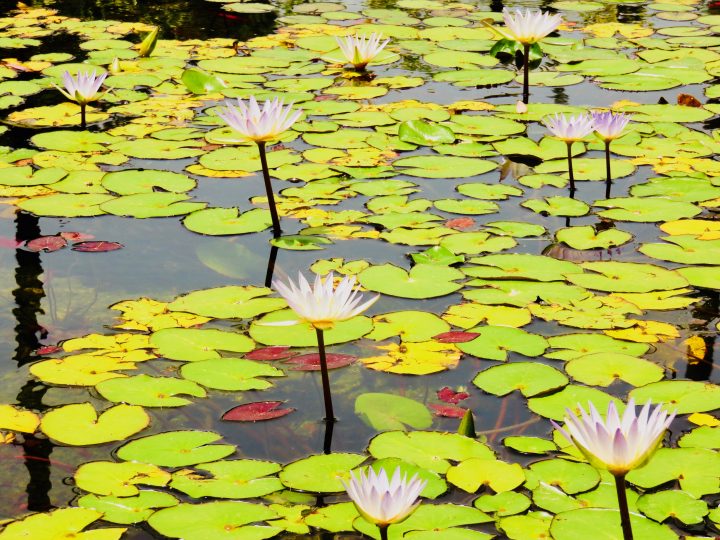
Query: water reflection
point(28, 299)
point(700, 365)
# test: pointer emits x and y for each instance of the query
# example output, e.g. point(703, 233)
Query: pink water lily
point(259, 124)
point(83, 88)
point(359, 50)
point(614, 443)
point(382, 500)
point(323, 304)
point(528, 27)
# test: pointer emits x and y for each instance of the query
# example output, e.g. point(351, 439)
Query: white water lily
point(617, 444)
point(256, 124)
point(381, 500)
point(528, 27)
point(322, 305)
point(83, 88)
point(609, 125)
point(359, 50)
point(569, 129)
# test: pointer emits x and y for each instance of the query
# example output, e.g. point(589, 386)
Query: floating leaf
point(61, 523)
point(385, 412)
point(80, 425)
point(119, 479)
point(148, 391)
point(175, 448)
point(320, 473)
point(234, 374)
point(128, 510)
point(527, 377)
point(257, 411)
point(422, 281)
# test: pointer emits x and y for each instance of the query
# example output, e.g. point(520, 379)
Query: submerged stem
point(327, 396)
point(570, 167)
point(268, 190)
point(623, 505)
point(526, 75)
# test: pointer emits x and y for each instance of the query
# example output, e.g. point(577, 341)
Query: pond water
point(344, 190)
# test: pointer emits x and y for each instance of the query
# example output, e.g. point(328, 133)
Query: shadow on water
point(28, 332)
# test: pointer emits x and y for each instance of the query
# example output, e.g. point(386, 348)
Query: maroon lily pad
point(460, 223)
point(270, 353)
point(46, 243)
point(311, 362)
point(47, 349)
point(97, 246)
point(256, 411)
point(450, 411)
point(455, 336)
point(72, 236)
point(448, 395)
point(11, 243)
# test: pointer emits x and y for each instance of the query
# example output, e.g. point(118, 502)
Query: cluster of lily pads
point(370, 161)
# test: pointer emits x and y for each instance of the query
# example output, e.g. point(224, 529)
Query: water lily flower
point(82, 89)
point(528, 27)
point(359, 50)
point(384, 501)
point(322, 306)
point(569, 129)
point(609, 126)
point(618, 444)
point(256, 124)
point(260, 126)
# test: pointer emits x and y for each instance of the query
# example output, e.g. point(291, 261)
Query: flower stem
point(383, 532)
point(608, 181)
point(327, 396)
point(623, 505)
point(570, 167)
point(268, 190)
point(83, 106)
point(526, 74)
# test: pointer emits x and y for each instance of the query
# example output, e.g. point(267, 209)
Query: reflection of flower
point(82, 89)
point(359, 50)
point(529, 27)
point(321, 305)
point(569, 129)
point(381, 500)
point(609, 125)
point(617, 444)
point(256, 124)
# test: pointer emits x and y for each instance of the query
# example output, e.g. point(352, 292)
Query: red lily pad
point(256, 411)
point(270, 353)
point(98, 246)
point(455, 336)
point(311, 362)
point(448, 395)
point(449, 411)
point(47, 349)
point(11, 243)
point(72, 236)
point(460, 223)
point(46, 244)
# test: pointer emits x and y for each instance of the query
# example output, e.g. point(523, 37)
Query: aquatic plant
point(608, 127)
point(361, 50)
point(569, 130)
point(617, 444)
point(322, 306)
point(384, 501)
point(82, 89)
point(260, 126)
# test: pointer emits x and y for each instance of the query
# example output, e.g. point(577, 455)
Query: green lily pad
point(569, 476)
point(476, 242)
point(427, 449)
point(410, 326)
point(673, 504)
point(471, 474)
point(79, 424)
point(646, 209)
point(627, 277)
point(133, 181)
point(529, 445)
point(494, 343)
point(66, 205)
point(422, 281)
point(680, 396)
point(521, 266)
point(602, 369)
point(148, 391)
point(697, 470)
point(228, 520)
point(193, 344)
point(230, 302)
point(575, 345)
point(444, 166)
point(303, 334)
point(605, 523)
point(233, 374)
point(684, 249)
point(128, 510)
point(529, 378)
point(320, 473)
point(232, 479)
point(61, 523)
point(385, 412)
point(554, 405)
point(119, 479)
point(148, 205)
point(586, 237)
point(557, 206)
point(175, 448)
point(424, 133)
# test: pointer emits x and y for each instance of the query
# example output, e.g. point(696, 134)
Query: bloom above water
point(609, 125)
point(382, 501)
point(83, 88)
point(569, 129)
point(256, 124)
point(617, 444)
point(322, 305)
point(359, 50)
point(528, 27)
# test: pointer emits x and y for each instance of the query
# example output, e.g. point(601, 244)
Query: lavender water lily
point(608, 127)
point(569, 130)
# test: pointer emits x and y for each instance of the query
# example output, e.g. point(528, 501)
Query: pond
point(139, 258)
